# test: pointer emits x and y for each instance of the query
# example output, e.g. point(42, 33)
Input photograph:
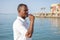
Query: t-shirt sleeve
point(20, 28)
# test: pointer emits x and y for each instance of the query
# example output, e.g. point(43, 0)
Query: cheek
point(24, 13)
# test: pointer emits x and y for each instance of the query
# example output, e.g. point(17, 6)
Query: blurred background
point(47, 18)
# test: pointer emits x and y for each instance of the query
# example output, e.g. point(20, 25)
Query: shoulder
point(17, 22)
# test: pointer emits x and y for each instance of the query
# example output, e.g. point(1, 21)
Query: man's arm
point(31, 27)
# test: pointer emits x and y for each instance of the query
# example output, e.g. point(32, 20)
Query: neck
point(21, 17)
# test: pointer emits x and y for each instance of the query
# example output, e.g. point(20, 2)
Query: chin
point(26, 16)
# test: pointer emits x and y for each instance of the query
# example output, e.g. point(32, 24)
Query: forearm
point(30, 30)
point(31, 27)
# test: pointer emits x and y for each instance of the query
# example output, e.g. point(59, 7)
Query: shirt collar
point(20, 18)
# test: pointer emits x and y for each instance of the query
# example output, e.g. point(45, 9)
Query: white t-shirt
point(19, 29)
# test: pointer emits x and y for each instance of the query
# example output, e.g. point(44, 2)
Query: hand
point(28, 35)
point(31, 17)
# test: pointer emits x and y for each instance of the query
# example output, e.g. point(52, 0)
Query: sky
point(34, 6)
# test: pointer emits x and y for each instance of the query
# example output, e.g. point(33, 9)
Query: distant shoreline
point(47, 16)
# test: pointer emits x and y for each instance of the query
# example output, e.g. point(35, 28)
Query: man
point(20, 28)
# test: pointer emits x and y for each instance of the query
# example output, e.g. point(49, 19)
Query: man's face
point(24, 11)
